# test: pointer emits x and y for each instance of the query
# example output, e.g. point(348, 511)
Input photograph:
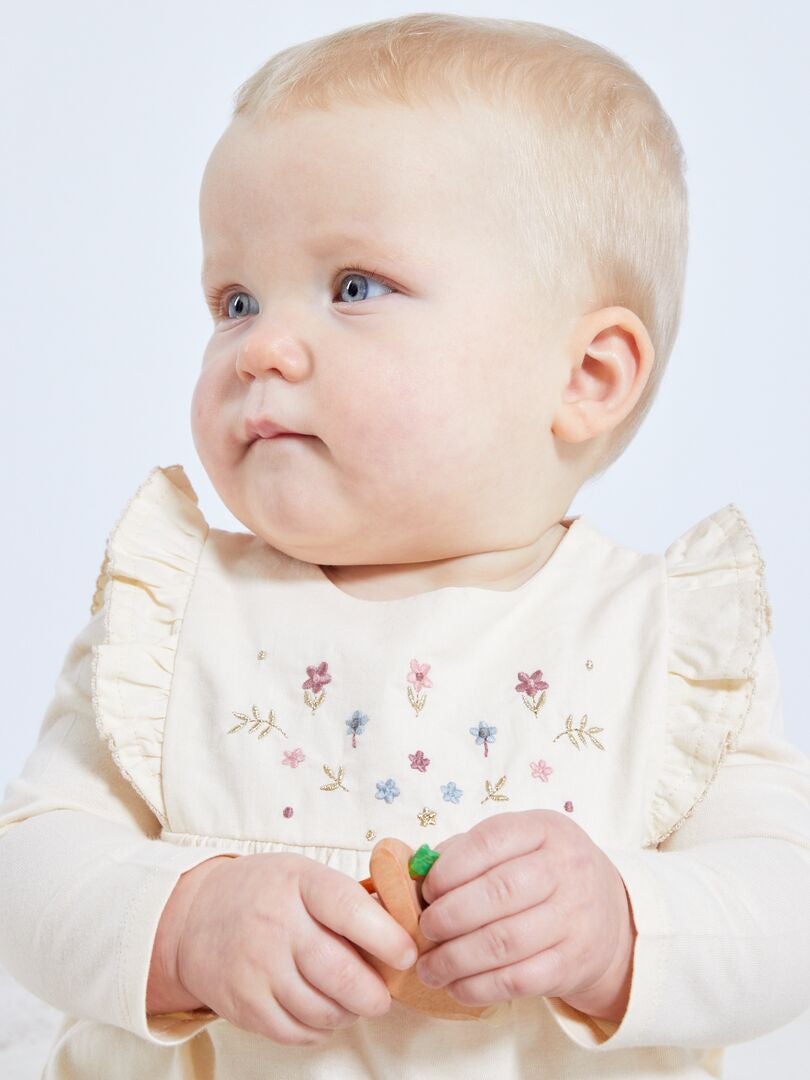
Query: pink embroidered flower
point(318, 676)
point(418, 675)
point(540, 770)
point(569, 806)
point(531, 684)
point(419, 761)
point(293, 758)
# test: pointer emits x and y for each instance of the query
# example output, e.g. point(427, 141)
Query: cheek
point(400, 422)
point(205, 411)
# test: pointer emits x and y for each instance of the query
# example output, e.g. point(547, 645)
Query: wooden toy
point(392, 865)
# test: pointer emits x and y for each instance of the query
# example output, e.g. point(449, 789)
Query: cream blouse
point(226, 698)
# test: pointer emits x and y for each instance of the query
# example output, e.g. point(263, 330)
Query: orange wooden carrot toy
point(396, 881)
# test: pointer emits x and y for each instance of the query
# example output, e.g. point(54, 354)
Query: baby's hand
point(264, 944)
point(526, 904)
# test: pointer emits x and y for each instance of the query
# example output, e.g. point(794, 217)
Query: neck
point(498, 570)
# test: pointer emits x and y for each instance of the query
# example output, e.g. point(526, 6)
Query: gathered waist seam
point(211, 841)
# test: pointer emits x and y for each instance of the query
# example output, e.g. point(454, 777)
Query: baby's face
point(370, 297)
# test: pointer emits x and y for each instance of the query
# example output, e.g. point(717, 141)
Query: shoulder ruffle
point(145, 581)
point(718, 613)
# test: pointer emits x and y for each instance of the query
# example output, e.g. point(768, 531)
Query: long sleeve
point(83, 877)
point(721, 907)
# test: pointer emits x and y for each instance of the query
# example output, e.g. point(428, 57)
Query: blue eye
point(236, 304)
point(357, 290)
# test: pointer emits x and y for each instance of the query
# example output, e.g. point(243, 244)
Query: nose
point(261, 351)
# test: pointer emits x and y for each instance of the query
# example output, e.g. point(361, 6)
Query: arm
point(83, 877)
point(722, 953)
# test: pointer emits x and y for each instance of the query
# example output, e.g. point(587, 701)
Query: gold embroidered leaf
point(238, 727)
point(492, 792)
point(338, 780)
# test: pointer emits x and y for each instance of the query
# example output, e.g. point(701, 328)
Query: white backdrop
point(108, 114)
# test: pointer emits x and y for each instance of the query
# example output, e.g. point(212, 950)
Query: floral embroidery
point(589, 664)
point(529, 686)
point(356, 725)
point(387, 789)
point(580, 732)
point(418, 678)
point(451, 793)
point(492, 792)
point(337, 781)
point(541, 770)
point(293, 757)
point(370, 834)
point(261, 655)
point(485, 734)
point(419, 761)
point(569, 806)
point(426, 817)
point(287, 811)
point(270, 724)
point(318, 677)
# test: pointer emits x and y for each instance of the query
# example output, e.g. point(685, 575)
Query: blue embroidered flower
point(485, 734)
point(451, 793)
point(355, 724)
point(387, 789)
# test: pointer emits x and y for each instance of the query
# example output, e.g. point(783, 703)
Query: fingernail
point(409, 958)
point(427, 976)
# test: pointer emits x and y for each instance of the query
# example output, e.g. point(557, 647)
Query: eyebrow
point(357, 245)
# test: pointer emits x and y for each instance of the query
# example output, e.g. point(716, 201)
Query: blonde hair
point(595, 166)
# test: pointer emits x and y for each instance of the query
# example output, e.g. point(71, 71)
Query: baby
point(444, 260)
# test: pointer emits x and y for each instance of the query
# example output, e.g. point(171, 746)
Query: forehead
point(389, 175)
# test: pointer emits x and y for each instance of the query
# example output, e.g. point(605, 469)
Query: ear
point(610, 359)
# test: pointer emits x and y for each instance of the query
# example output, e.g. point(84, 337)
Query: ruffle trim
point(718, 613)
point(146, 577)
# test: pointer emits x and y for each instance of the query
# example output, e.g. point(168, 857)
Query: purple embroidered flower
point(485, 734)
point(418, 675)
point(318, 677)
point(419, 761)
point(287, 811)
point(540, 770)
point(451, 793)
point(293, 758)
point(387, 789)
point(531, 684)
point(355, 724)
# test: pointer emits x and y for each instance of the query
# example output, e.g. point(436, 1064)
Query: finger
point(505, 941)
point(504, 890)
point(307, 1004)
point(276, 1022)
point(490, 842)
point(540, 975)
point(333, 967)
point(448, 840)
point(350, 911)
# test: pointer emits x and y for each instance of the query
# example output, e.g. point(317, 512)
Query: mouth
point(263, 428)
